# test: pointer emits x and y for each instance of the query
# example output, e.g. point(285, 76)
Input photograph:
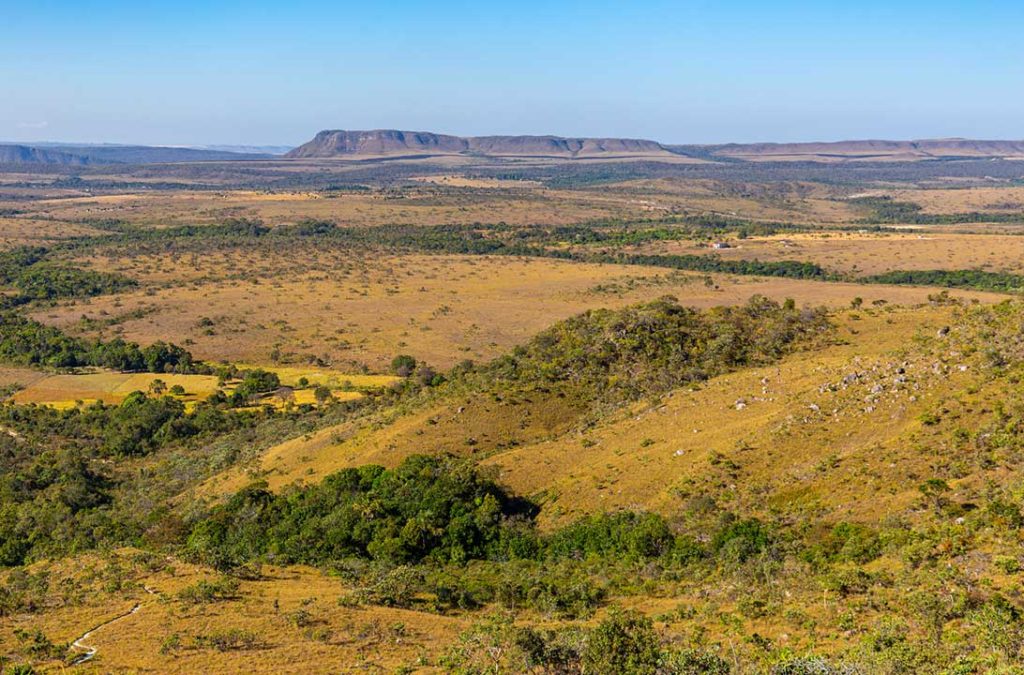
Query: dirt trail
point(90, 650)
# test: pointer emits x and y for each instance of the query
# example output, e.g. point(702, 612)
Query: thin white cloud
point(33, 125)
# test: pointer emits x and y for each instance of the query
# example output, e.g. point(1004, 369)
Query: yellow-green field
point(65, 391)
point(291, 375)
point(70, 390)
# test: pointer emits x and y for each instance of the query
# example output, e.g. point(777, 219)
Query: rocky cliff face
point(23, 154)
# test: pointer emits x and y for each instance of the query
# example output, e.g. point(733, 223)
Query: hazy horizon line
point(263, 144)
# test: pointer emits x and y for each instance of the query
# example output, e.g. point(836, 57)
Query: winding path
point(90, 650)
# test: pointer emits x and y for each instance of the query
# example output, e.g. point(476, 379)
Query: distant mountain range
point(68, 154)
point(379, 143)
point(392, 142)
point(909, 150)
point(23, 154)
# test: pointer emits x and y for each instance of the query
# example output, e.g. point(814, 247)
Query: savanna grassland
point(474, 416)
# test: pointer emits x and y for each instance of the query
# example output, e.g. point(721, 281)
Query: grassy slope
point(333, 637)
point(784, 455)
point(860, 456)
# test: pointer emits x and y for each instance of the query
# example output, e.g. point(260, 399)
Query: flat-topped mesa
point(341, 143)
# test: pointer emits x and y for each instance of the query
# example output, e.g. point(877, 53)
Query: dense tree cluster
point(793, 269)
point(49, 282)
point(56, 487)
point(1003, 282)
point(30, 343)
point(427, 507)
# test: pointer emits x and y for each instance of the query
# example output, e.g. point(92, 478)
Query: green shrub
point(629, 534)
point(694, 662)
point(203, 591)
point(619, 355)
point(741, 540)
point(850, 542)
point(624, 643)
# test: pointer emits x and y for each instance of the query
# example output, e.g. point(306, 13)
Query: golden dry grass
point(290, 376)
point(440, 309)
point(298, 625)
point(775, 440)
point(63, 391)
point(23, 231)
point(801, 202)
point(69, 390)
point(798, 446)
point(1009, 198)
point(425, 206)
point(333, 638)
point(14, 376)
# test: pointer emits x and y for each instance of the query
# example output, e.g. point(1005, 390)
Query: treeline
point(500, 239)
point(543, 242)
point(855, 175)
point(793, 269)
point(428, 507)
point(537, 242)
point(1002, 282)
point(437, 509)
point(885, 209)
point(26, 342)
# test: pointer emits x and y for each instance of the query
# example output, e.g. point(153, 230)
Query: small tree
point(322, 394)
point(403, 365)
point(257, 381)
point(157, 387)
point(934, 491)
point(426, 375)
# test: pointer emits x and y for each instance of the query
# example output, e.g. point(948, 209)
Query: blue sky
point(197, 72)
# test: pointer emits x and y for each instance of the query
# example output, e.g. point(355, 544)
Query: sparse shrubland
point(250, 542)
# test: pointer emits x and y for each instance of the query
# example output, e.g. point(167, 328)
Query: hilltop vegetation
point(650, 349)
